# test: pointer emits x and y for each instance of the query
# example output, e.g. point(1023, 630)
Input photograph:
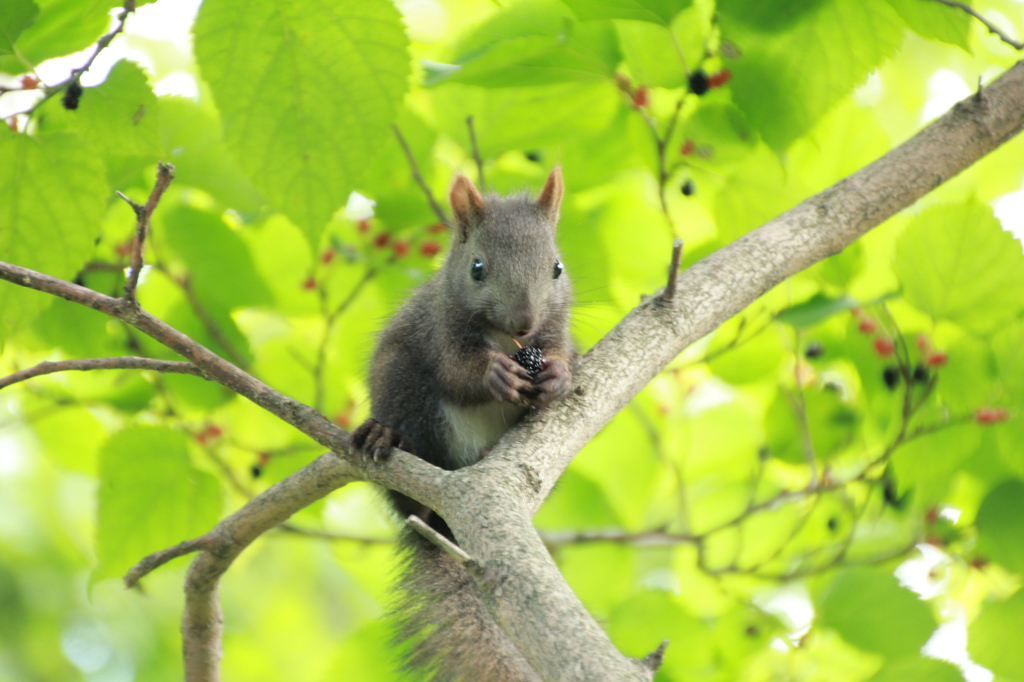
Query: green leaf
point(785, 81)
point(52, 195)
point(926, 463)
point(150, 497)
point(870, 610)
point(524, 118)
point(955, 263)
point(1006, 346)
point(993, 640)
point(15, 17)
point(190, 139)
point(306, 91)
point(61, 27)
point(816, 309)
point(654, 11)
point(917, 669)
point(210, 248)
point(935, 21)
point(1000, 524)
point(534, 43)
point(119, 116)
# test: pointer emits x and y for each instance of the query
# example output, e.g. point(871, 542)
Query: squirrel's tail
point(443, 625)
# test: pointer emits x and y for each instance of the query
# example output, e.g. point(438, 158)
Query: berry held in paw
point(531, 359)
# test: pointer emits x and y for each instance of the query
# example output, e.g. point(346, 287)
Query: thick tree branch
point(125, 362)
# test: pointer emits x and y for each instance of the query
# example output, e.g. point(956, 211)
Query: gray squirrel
point(444, 387)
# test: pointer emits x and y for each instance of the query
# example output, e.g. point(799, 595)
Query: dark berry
point(72, 95)
point(833, 523)
point(531, 359)
point(814, 350)
point(689, 188)
point(764, 453)
point(891, 377)
point(699, 82)
point(533, 156)
point(921, 374)
point(256, 470)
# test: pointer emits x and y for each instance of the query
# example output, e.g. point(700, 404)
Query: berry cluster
point(531, 359)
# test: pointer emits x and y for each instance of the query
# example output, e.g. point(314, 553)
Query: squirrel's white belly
point(473, 430)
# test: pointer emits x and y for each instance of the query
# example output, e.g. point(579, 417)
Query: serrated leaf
point(306, 92)
point(52, 195)
point(120, 116)
point(993, 640)
point(935, 21)
point(816, 309)
point(654, 11)
point(870, 610)
point(767, 17)
point(15, 17)
point(61, 27)
point(150, 497)
point(955, 263)
point(786, 80)
point(1000, 524)
point(534, 43)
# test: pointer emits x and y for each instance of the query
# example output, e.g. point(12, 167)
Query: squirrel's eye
point(477, 270)
point(558, 269)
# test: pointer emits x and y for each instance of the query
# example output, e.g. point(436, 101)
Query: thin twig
point(1016, 44)
point(125, 362)
point(164, 176)
point(440, 541)
point(673, 270)
point(476, 154)
point(101, 45)
point(158, 559)
point(419, 178)
point(339, 537)
point(331, 318)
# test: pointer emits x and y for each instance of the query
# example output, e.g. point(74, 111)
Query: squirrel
point(443, 386)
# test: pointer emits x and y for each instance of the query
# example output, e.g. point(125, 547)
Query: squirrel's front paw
point(553, 382)
point(374, 439)
point(507, 380)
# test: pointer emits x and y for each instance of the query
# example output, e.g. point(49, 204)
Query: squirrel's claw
point(507, 380)
point(553, 382)
point(374, 439)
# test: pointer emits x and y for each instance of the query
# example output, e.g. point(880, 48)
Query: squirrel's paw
point(553, 382)
point(374, 439)
point(507, 380)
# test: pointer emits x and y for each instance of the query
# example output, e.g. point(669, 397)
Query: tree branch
point(164, 176)
point(476, 155)
point(124, 362)
point(992, 28)
point(438, 211)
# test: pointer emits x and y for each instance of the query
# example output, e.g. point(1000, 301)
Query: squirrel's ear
point(467, 204)
point(550, 199)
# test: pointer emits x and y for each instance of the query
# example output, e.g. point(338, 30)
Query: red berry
point(430, 248)
point(364, 226)
point(125, 247)
point(991, 415)
point(401, 248)
point(857, 312)
point(327, 256)
point(263, 458)
point(343, 419)
point(437, 227)
point(868, 326)
point(884, 346)
point(310, 283)
point(936, 359)
point(932, 516)
point(688, 148)
point(934, 541)
point(979, 562)
point(12, 123)
point(29, 83)
point(719, 79)
point(641, 98)
point(924, 343)
point(381, 240)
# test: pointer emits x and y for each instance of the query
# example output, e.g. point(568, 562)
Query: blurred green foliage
point(751, 505)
